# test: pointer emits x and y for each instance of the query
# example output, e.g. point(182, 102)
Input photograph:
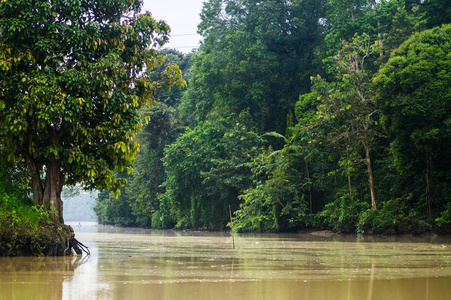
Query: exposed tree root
point(77, 247)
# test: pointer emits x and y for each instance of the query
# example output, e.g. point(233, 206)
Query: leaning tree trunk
point(54, 182)
point(370, 170)
point(370, 179)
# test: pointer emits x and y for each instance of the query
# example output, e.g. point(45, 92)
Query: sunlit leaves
point(73, 75)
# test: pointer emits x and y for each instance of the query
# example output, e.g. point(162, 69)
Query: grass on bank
point(24, 229)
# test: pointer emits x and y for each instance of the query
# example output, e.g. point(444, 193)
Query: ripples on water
point(149, 264)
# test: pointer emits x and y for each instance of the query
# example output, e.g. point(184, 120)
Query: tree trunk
point(36, 184)
point(370, 171)
point(54, 181)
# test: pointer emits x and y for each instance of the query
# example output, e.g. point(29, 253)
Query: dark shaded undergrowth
point(26, 230)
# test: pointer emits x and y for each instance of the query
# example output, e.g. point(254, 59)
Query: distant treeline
point(301, 113)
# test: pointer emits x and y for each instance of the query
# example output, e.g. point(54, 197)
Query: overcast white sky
point(183, 18)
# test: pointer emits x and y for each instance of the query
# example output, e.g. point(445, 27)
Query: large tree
point(414, 92)
point(256, 56)
point(73, 74)
point(348, 108)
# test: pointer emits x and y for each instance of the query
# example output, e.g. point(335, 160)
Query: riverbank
point(306, 233)
point(29, 231)
point(51, 240)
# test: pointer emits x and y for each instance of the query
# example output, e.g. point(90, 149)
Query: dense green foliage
point(207, 168)
point(414, 94)
point(304, 113)
point(73, 76)
point(21, 224)
point(257, 57)
point(139, 199)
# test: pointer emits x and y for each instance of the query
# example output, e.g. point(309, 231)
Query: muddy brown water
point(148, 264)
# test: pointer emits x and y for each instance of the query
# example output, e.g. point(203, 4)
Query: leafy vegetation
point(302, 113)
point(361, 147)
point(73, 76)
point(22, 226)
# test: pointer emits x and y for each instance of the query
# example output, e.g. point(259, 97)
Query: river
point(150, 264)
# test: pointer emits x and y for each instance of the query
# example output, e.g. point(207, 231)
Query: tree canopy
point(256, 56)
point(73, 75)
point(414, 92)
point(302, 113)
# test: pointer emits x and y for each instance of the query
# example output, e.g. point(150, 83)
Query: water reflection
point(36, 277)
point(144, 264)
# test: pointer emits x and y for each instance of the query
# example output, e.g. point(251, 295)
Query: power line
point(184, 34)
point(177, 47)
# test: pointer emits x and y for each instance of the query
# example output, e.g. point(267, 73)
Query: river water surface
point(148, 264)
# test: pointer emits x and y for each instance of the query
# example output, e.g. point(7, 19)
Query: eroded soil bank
point(47, 240)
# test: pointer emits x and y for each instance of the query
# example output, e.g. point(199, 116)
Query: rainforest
point(300, 114)
point(295, 114)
